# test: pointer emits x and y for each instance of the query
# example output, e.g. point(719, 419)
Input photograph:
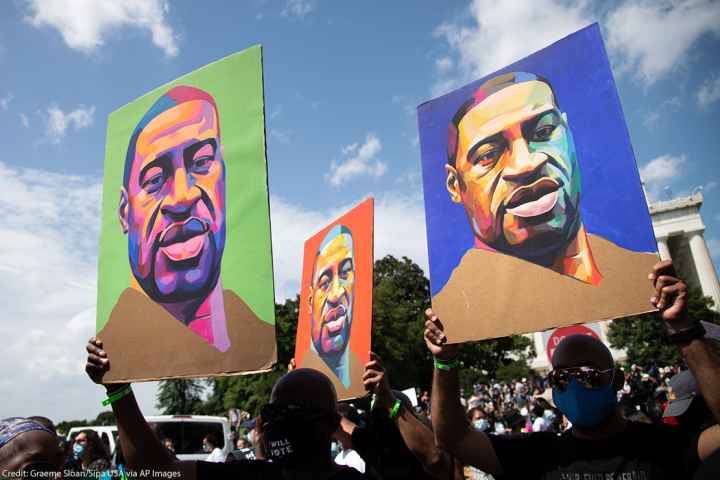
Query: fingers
point(662, 268)
point(434, 333)
point(100, 362)
point(92, 349)
point(667, 290)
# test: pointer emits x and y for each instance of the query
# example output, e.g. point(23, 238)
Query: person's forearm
point(421, 442)
point(141, 448)
point(448, 418)
point(705, 365)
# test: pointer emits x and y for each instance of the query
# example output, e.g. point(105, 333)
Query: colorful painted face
point(331, 293)
point(516, 172)
point(175, 207)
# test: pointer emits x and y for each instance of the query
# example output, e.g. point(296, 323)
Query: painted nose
point(522, 163)
point(183, 196)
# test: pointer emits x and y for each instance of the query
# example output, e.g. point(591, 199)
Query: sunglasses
point(588, 377)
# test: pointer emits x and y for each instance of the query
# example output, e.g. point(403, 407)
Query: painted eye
point(153, 183)
point(202, 164)
point(488, 157)
point(542, 132)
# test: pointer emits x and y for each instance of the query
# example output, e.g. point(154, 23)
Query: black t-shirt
point(260, 470)
point(383, 449)
point(641, 452)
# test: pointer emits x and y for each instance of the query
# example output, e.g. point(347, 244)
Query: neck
point(204, 316)
point(578, 261)
point(340, 366)
point(614, 423)
point(575, 260)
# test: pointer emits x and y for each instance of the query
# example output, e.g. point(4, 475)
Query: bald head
point(33, 447)
point(305, 387)
point(582, 351)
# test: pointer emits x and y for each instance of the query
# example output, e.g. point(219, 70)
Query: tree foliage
point(643, 336)
point(180, 396)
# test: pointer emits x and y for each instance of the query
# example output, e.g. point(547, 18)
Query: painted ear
point(123, 210)
point(452, 184)
point(310, 301)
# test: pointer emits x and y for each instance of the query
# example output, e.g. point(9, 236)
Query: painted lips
point(184, 241)
point(534, 199)
point(335, 319)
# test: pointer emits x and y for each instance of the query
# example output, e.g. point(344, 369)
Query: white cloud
point(48, 233)
point(85, 24)
point(661, 171)
point(298, 8)
point(5, 101)
point(709, 92)
point(443, 65)
point(499, 33)
point(24, 120)
point(399, 231)
point(651, 37)
point(668, 105)
point(358, 160)
point(58, 121)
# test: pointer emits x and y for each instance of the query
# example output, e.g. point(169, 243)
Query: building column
point(704, 266)
point(663, 248)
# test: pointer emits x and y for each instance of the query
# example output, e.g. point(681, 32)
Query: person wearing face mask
point(295, 429)
point(585, 382)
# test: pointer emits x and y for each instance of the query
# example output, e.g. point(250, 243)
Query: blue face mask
point(78, 450)
point(481, 424)
point(585, 407)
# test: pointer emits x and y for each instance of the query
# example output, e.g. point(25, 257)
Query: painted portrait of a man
point(330, 302)
point(533, 200)
point(175, 316)
point(333, 334)
point(512, 164)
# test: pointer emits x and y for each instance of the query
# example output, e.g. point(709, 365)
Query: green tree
point(643, 336)
point(105, 418)
point(180, 396)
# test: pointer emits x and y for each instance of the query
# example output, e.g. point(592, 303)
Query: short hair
point(493, 85)
point(334, 232)
point(170, 99)
point(212, 439)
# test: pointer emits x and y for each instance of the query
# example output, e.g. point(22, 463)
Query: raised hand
point(97, 361)
point(376, 381)
point(436, 340)
point(670, 295)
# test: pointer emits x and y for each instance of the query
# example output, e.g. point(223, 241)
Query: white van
point(108, 434)
point(187, 433)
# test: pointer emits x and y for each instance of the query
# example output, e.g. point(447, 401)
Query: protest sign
point(333, 333)
point(534, 208)
point(185, 285)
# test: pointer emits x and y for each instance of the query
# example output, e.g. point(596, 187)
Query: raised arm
point(141, 448)
point(417, 436)
point(671, 299)
point(452, 430)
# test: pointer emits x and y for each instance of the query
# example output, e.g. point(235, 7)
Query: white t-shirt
point(540, 425)
point(216, 456)
point(352, 459)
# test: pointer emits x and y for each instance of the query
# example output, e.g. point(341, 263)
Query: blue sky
point(342, 80)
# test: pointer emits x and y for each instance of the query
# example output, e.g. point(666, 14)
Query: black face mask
point(291, 434)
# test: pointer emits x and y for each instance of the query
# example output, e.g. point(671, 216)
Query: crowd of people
point(588, 418)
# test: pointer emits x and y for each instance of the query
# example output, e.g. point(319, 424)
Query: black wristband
point(687, 335)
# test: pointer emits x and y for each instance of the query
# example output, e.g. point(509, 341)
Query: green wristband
point(446, 364)
point(116, 395)
point(395, 410)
